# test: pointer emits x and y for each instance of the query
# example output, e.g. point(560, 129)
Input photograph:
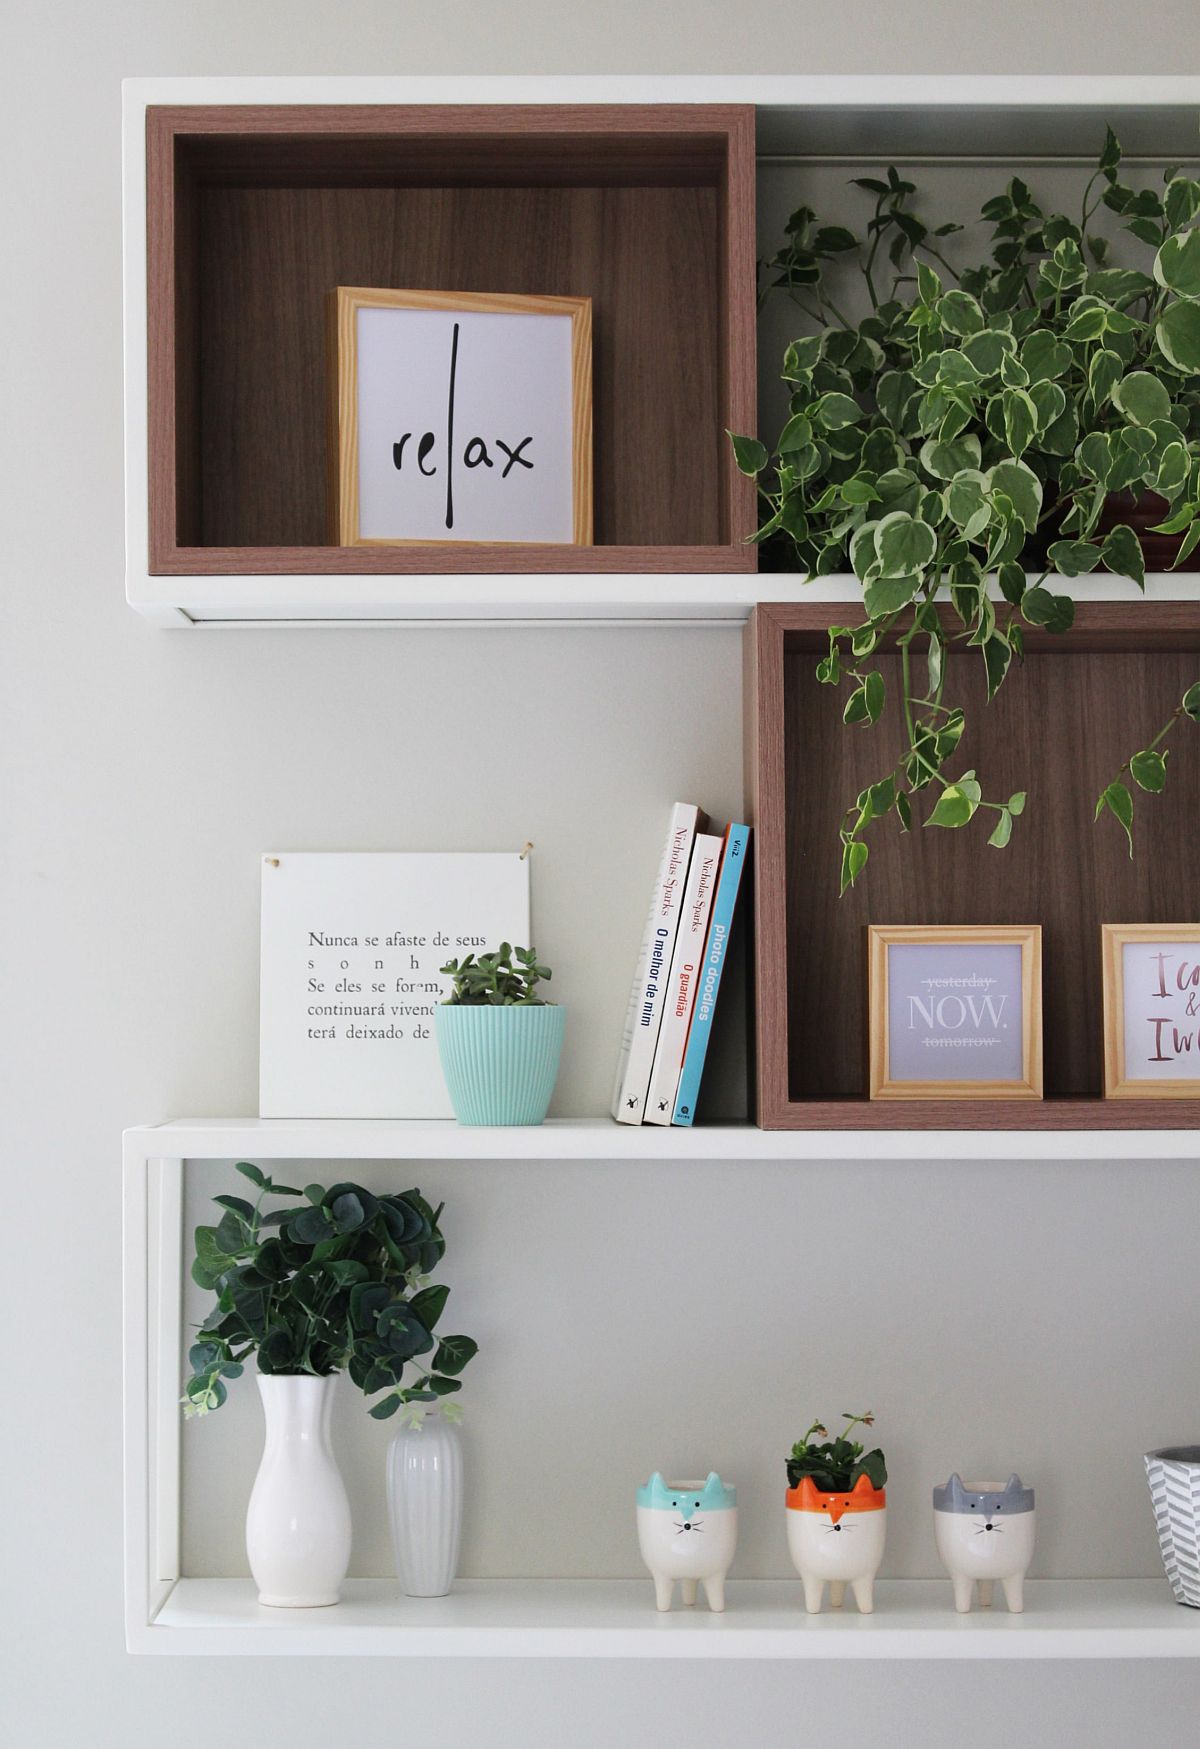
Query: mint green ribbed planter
point(500, 1064)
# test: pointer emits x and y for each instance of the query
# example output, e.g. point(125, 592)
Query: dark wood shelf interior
point(256, 214)
point(1060, 728)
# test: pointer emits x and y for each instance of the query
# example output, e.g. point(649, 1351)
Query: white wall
point(142, 774)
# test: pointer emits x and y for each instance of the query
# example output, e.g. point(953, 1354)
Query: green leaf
point(1002, 831)
point(1055, 612)
point(1142, 398)
point(1119, 802)
point(442, 1387)
point(855, 709)
point(453, 1353)
point(1177, 265)
point(929, 286)
point(884, 595)
point(945, 459)
point(796, 434)
point(751, 457)
point(1096, 456)
point(387, 1406)
point(1087, 323)
point(1045, 357)
point(834, 412)
point(1016, 803)
point(854, 860)
point(989, 349)
point(1178, 334)
point(904, 809)
point(1191, 702)
point(1022, 487)
point(1104, 373)
point(801, 356)
point(956, 805)
point(1181, 201)
point(429, 1304)
point(997, 654)
point(1122, 554)
point(1020, 419)
point(253, 1173)
point(875, 691)
point(1149, 770)
point(902, 544)
point(237, 1205)
point(1073, 558)
point(1190, 540)
point(1011, 578)
point(959, 313)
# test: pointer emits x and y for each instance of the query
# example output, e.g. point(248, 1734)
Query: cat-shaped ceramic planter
point(984, 1533)
point(687, 1531)
point(837, 1539)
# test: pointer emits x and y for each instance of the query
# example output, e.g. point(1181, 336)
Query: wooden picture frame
point(344, 306)
point(944, 1027)
point(1175, 989)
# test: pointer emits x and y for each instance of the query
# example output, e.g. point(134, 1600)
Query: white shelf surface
point(616, 1618)
point(257, 1139)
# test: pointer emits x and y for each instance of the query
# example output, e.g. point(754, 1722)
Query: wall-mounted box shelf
point(1052, 730)
point(246, 198)
point(615, 1618)
point(170, 1612)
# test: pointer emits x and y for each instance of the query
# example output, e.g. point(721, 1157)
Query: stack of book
point(679, 969)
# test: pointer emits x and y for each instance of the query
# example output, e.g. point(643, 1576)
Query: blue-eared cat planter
point(500, 1064)
point(687, 1531)
point(984, 1533)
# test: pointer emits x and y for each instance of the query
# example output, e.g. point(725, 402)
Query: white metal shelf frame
point(979, 117)
point(167, 1612)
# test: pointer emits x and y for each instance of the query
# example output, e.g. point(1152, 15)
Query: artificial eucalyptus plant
point(493, 981)
point(836, 1464)
point(337, 1282)
point(981, 428)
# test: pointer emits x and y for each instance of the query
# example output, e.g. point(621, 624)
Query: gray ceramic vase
point(1174, 1477)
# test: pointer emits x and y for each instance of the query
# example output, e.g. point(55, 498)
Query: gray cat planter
point(1174, 1477)
point(985, 1533)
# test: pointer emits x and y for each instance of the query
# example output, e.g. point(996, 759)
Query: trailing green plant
point(492, 980)
point(962, 432)
point(338, 1282)
point(837, 1464)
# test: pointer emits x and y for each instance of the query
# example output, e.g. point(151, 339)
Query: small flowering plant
point(836, 1465)
point(339, 1281)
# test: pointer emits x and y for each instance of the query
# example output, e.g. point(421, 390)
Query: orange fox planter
point(837, 1538)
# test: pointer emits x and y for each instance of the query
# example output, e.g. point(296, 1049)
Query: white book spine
point(650, 979)
point(681, 985)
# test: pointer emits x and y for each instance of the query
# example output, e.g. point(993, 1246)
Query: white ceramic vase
point(298, 1520)
point(425, 1505)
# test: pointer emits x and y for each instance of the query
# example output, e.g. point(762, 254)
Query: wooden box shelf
point(255, 212)
point(1060, 728)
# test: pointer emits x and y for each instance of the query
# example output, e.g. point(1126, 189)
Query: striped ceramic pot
point(425, 1505)
point(500, 1064)
point(1174, 1477)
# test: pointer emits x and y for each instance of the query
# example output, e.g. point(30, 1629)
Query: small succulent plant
point(491, 980)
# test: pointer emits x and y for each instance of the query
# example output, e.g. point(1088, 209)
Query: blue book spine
point(732, 865)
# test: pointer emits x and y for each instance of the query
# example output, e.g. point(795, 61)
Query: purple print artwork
point(1162, 1010)
point(954, 1011)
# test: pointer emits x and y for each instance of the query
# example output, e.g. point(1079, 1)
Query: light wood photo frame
point(972, 1000)
point(1151, 1010)
point(473, 424)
